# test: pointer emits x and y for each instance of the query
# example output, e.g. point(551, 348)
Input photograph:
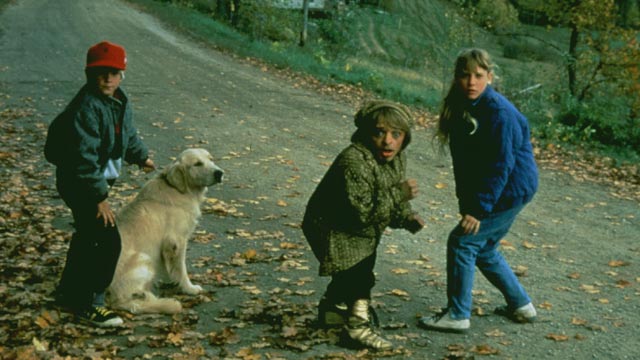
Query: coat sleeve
point(136, 151)
point(402, 210)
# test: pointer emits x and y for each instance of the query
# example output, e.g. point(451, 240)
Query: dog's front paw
point(192, 289)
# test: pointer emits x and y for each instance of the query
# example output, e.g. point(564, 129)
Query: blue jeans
point(465, 252)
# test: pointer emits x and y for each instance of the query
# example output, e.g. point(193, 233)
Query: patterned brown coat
point(351, 207)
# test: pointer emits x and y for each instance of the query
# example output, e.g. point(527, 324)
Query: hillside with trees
point(571, 66)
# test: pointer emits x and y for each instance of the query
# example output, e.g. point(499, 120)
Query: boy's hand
point(106, 214)
point(415, 224)
point(148, 165)
point(409, 188)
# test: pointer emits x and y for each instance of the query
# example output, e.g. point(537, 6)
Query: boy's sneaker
point(101, 316)
point(523, 314)
point(443, 322)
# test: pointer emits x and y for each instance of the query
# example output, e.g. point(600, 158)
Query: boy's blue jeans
point(465, 252)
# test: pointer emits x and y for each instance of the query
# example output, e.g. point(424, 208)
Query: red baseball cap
point(107, 54)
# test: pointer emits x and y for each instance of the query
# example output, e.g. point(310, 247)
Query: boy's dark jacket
point(494, 165)
point(82, 138)
point(353, 204)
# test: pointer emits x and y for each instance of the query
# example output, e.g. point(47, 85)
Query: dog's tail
point(148, 303)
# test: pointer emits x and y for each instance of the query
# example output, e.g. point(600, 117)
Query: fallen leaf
point(174, 339)
point(401, 293)
point(578, 321)
point(39, 345)
point(621, 284)
point(440, 186)
point(400, 271)
point(484, 349)
point(618, 263)
point(574, 276)
point(557, 337)
point(545, 305)
point(590, 289)
point(495, 333)
point(289, 331)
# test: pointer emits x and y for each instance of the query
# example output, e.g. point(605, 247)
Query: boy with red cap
point(87, 142)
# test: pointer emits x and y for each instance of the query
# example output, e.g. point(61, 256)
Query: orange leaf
point(485, 349)
point(574, 276)
point(545, 305)
point(174, 339)
point(398, 292)
point(578, 321)
point(557, 337)
point(618, 263)
point(440, 186)
point(289, 331)
point(249, 254)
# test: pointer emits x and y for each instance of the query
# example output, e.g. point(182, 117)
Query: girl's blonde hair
point(453, 104)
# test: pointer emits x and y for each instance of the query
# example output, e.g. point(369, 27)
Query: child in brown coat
point(363, 192)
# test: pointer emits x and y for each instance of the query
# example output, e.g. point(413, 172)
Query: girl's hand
point(105, 212)
point(409, 188)
point(470, 225)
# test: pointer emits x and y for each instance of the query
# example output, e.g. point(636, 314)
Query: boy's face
point(387, 142)
point(108, 80)
point(473, 81)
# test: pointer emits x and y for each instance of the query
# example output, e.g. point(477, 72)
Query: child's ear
point(490, 77)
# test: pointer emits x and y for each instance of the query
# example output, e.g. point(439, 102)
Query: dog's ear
point(176, 177)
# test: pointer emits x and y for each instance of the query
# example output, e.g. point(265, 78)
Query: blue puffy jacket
point(494, 166)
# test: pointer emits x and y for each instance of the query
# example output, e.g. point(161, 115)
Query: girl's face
point(387, 142)
point(108, 80)
point(473, 81)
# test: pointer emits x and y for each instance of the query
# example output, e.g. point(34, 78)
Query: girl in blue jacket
point(88, 142)
point(496, 176)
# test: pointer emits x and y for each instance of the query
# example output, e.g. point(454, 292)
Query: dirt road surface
point(575, 247)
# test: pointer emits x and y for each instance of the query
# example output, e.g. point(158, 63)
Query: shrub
point(498, 15)
point(524, 49)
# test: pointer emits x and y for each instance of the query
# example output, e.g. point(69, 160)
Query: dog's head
point(193, 171)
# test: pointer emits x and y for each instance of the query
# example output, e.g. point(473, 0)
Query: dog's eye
point(199, 163)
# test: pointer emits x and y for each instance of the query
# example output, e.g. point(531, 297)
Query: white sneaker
point(523, 314)
point(444, 322)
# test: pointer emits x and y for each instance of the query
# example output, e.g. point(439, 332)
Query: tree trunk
point(305, 21)
point(571, 68)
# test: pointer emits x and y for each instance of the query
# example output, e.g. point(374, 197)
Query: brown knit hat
point(397, 114)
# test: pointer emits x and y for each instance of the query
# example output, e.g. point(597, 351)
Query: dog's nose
point(218, 175)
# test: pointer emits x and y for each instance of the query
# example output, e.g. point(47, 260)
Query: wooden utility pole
point(305, 21)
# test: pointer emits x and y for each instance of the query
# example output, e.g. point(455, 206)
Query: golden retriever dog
point(155, 227)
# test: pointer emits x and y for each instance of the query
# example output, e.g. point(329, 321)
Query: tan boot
point(359, 328)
